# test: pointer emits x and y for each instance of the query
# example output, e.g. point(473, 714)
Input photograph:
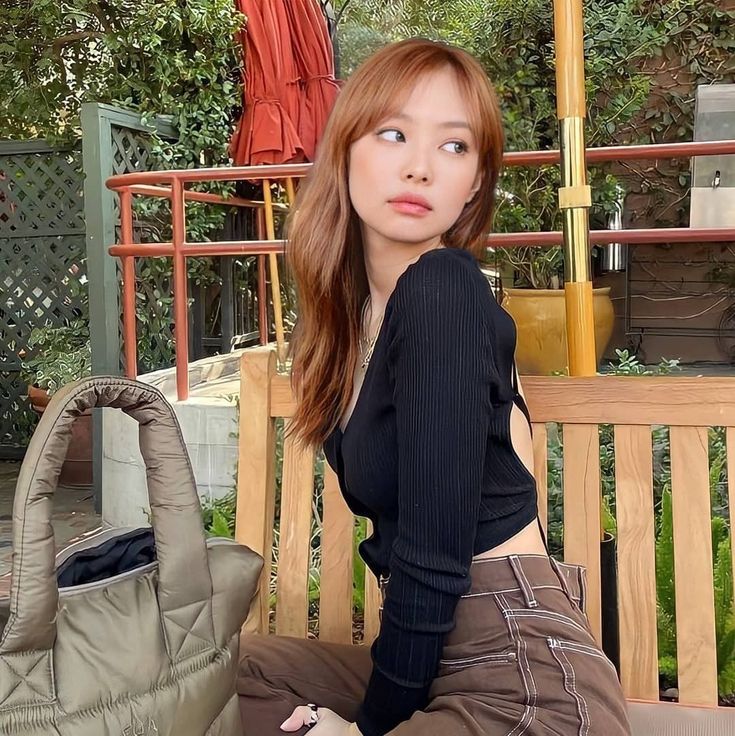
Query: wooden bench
point(688, 406)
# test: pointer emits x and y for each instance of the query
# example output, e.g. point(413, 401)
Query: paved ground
point(73, 514)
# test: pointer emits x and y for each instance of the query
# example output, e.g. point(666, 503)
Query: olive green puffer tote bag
point(149, 651)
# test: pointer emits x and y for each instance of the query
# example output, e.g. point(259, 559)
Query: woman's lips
point(410, 206)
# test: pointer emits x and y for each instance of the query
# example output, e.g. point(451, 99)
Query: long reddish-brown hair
point(325, 246)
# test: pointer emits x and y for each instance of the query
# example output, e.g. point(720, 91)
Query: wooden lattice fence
point(42, 265)
point(57, 220)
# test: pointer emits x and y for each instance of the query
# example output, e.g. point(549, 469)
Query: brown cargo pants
point(520, 660)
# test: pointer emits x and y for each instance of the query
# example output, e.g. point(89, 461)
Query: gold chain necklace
point(367, 345)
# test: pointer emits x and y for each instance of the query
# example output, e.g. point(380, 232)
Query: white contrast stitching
point(523, 668)
point(584, 649)
point(520, 576)
point(529, 713)
point(480, 659)
point(549, 615)
point(517, 590)
point(570, 685)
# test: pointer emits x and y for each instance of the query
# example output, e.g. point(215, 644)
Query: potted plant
point(533, 277)
point(533, 294)
point(56, 356)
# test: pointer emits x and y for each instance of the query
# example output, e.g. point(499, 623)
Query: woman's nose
point(417, 167)
point(422, 177)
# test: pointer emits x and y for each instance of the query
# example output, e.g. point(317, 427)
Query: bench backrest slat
point(582, 510)
point(335, 619)
point(294, 547)
point(578, 406)
point(256, 472)
point(695, 609)
point(540, 464)
point(636, 560)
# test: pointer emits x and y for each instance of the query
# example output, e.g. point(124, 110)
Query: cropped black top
point(427, 456)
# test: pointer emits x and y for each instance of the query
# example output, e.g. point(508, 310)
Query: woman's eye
point(455, 147)
point(391, 134)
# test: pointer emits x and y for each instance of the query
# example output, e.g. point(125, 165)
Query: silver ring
point(314, 717)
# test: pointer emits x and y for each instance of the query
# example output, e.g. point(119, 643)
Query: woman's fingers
point(301, 717)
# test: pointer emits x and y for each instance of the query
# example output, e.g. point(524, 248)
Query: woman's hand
point(329, 723)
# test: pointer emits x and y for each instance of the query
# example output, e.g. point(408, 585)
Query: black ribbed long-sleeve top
point(427, 456)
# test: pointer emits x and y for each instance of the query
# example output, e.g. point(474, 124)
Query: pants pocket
point(592, 688)
point(550, 619)
point(573, 579)
point(479, 676)
point(481, 659)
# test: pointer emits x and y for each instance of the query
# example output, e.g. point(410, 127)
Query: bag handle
point(184, 584)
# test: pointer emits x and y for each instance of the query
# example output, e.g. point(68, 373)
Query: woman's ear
point(475, 188)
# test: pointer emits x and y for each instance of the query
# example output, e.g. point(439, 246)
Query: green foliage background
point(182, 58)
point(175, 58)
point(630, 98)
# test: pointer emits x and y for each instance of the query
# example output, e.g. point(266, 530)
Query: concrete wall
point(209, 426)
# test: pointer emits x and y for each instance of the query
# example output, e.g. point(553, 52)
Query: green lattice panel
point(154, 307)
point(42, 267)
point(42, 281)
point(18, 421)
point(131, 151)
point(41, 194)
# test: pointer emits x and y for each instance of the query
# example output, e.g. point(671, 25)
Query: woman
point(403, 365)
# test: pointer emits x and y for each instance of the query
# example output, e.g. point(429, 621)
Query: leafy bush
point(58, 355)
point(158, 57)
point(218, 516)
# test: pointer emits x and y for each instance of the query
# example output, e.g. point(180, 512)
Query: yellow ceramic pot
point(540, 317)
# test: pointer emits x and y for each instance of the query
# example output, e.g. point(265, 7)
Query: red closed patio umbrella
point(289, 90)
point(312, 50)
point(267, 132)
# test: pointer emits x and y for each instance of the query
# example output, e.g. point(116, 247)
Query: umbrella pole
point(270, 229)
point(575, 197)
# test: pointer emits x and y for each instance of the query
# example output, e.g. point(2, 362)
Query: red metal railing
point(172, 185)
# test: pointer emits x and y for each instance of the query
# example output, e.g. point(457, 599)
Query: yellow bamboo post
point(575, 197)
point(270, 229)
point(290, 191)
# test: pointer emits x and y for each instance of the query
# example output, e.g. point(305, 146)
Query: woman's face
point(411, 176)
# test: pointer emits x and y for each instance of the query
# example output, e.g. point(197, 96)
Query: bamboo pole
point(290, 191)
point(575, 196)
point(270, 229)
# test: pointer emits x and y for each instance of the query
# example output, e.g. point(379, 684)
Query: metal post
point(181, 296)
point(575, 197)
point(227, 304)
point(128, 266)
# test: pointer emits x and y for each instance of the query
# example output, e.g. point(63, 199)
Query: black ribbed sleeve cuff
point(387, 704)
